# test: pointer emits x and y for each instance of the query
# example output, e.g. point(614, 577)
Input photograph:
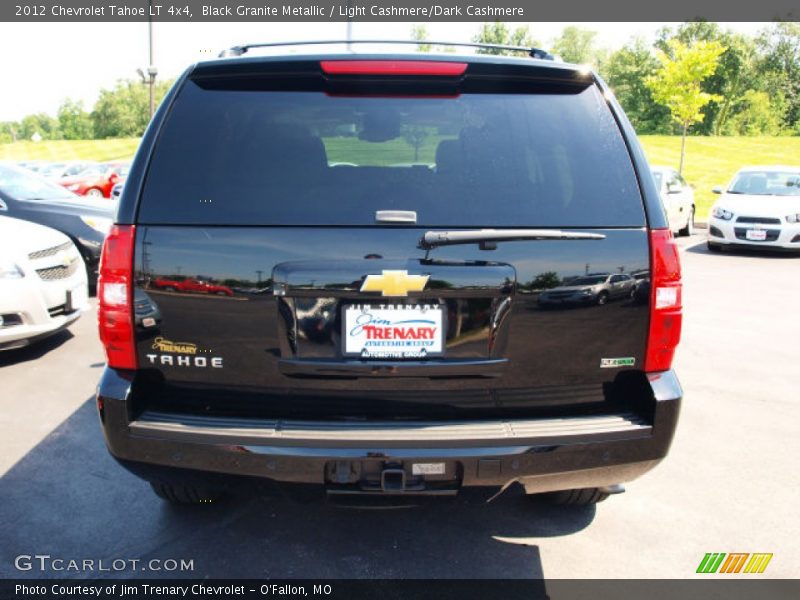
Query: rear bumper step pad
point(386, 433)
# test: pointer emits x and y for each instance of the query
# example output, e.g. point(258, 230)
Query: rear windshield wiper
point(432, 239)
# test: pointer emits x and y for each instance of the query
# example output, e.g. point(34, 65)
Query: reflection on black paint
point(290, 286)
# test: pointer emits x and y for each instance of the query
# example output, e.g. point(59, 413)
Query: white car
point(677, 197)
point(55, 171)
point(43, 286)
point(759, 209)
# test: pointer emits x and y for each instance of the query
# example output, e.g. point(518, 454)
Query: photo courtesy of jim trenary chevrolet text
point(399, 299)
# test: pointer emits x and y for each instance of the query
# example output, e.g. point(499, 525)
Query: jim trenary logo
point(734, 562)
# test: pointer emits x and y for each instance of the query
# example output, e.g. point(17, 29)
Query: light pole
point(349, 27)
point(152, 72)
point(151, 69)
point(150, 78)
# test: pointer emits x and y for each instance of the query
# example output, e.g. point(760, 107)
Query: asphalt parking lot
point(729, 484)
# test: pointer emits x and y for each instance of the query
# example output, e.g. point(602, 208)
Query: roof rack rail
point(532, 52)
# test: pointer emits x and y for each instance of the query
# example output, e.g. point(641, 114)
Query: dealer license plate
point(393, 331)
point(756, 235)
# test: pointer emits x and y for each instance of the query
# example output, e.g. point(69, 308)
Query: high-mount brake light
point(666, 310)
point(393, 67)
point(115, 297)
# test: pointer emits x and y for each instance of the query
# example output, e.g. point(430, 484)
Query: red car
point(96, 181)
point(197, 286)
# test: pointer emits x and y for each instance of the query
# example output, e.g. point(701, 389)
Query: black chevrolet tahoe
point(386, 224)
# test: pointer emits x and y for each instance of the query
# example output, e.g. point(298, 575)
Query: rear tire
point(94, 193)
point(581, 497)
point(714, 247)
point(182, 494)
point(689, 229)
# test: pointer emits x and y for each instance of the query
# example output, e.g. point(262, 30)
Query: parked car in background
point(33, 165)
point(25, 195)
point(148, 316)
point(641, 287)
point(678, 199)
point(760, 208)
point(590, 289)
point(59, 170)
point(190, 285)
point(96, 181)
point(116, 191)
point(43, 285)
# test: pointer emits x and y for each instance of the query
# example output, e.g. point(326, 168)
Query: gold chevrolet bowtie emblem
point(394, 283)
point(66, 260)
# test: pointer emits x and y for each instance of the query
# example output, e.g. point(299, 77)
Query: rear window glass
point(229, 157)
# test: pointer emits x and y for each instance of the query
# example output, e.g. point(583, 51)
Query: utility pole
point(146, 261)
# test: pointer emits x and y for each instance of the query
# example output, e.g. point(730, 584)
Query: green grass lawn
point(99, 150)
point(709, 161)
point(713, 161)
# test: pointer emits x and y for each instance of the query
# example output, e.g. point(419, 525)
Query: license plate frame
point(756, 235)
point(405, 317)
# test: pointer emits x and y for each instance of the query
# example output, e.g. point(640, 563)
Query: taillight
point(115, 302)
point(393, 67)
point(665, 301)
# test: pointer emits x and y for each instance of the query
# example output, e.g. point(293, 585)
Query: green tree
point(9, 132)
point(419, 33)
point(778, 66)
point(40, 123)
point(576, 45)
point(121, 112)
point(758, 115)
point(677, 82)
point(74, 122)
point(625, 71)
point(415, 136)
point(545, 281)
point(734, 75)
point(125, 110)
point(499, 33)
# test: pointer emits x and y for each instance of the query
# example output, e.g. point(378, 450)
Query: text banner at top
point(418, 11)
